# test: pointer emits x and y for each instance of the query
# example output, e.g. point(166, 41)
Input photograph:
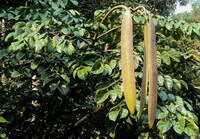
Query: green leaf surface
point(113, 115)
point(3, 120)
point(100, 97)
point(15, 74)
point(179, 125)
point(82, 74)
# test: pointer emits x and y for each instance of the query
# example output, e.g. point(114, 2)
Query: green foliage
point(52, 74)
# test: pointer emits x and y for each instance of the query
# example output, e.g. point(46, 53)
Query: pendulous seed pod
point(127, 62)
point(146, 65)
point(152, 104)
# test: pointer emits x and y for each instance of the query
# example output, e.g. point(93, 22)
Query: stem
point(108, 13)
point(112, 30)
point(85, 118)
point(111, 10)
point(108, 32)
point(138, 8)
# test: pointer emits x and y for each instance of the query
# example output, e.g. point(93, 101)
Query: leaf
point(179, 100)
point(184, 84)
point(113, 115)
point(162, 95)
point(100, 97)
point(162, 115)
point(63, 89)
point(160, 80)
point(74, 2)
point(53, 86)
point(34, 65)
point(113, 64)
point(196, 31)
point(165, 57)
point(69, 50)
point(164, 126)
point(66, 31)
point(181, 109)
point(39, 44)
point(113, 130)
point(124, 113)
point(102, 86)
point(192, 130)
point(177, 83)
point(158, 59)
point(65, 77)
point(175, 55)
point(113, 94)
point(171, 97)
point(171, 108)
point(177, 24)
point(168, 82)
point(169, 25)
point(188, 106)
point(15, 74)
point(167, 126)
point(19, 83)
point(189, 30)
point(19, 55)
point(3, 53)
point(162, 22)
point(179, 125)
point(164, 109)
point(108, 69)
point(79, 33)
point(82, 74)
point(3, 120)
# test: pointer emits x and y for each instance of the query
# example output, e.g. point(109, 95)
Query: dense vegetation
point(56, 81)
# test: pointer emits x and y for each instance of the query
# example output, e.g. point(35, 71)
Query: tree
point(161, 7)
point(190, 17)
point(56, 81)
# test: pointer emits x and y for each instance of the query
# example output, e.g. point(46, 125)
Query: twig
point(89, 43)
point(91, 114)
point(107, 32)
point(108, 13)
point(111, 30)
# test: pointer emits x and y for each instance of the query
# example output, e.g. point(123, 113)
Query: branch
point(111, 31)
point(107, 32)
point(87, 116)
point(108, 13)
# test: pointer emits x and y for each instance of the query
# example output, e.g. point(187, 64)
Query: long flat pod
point(128, 77)
point(146, 65)
point(152, 105)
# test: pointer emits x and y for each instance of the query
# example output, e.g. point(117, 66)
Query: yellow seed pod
point(127, 62)
point(152, 104)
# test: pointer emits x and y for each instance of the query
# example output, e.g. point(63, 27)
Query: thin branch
point(108, 32)
point(138, 8)
point(111, 10)
point(111, 31)
point(87, 116)
point(88, 42)
point(91, 114)
point(108, 13)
